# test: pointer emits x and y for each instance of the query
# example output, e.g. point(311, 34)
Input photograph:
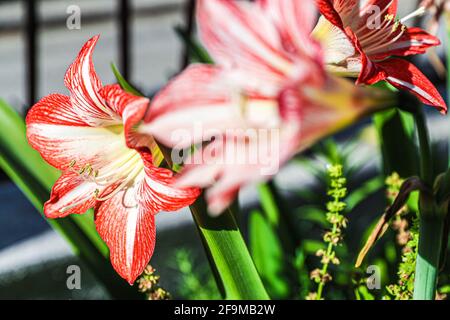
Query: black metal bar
point(31, 50)
point(94, 17)
point(189, 29)
point(124, 38)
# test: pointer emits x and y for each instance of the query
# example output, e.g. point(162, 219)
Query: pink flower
point(267, 97)
point(360, 39)
point(90, 136)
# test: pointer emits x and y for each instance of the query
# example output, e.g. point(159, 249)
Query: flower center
point(381, 39)
point(112, 177)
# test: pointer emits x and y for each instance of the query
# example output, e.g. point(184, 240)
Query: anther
point(72, 163)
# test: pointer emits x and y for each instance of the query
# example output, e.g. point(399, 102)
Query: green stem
point(431, 221)
point(229, 257)
point(325, 268)
point(427, 264)
point(426, 160)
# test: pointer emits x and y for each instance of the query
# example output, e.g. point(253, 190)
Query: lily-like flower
point(362, 37)
point(90, 136)
point(267, 98)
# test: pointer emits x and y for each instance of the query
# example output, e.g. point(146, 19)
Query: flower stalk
point(332, 238)
point(431, 221)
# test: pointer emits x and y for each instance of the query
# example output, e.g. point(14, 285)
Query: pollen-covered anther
point(389, 17)
point(72, 163)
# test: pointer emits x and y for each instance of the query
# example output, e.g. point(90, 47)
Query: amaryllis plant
point(282, 82)
point(107, 165)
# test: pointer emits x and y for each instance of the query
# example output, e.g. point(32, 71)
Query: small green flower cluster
point(332, 238)
point(408, 239)
point(149, 285)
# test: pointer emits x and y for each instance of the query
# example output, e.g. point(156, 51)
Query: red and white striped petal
point(129, 230)
point(404, 75)
point(227, 164)
point(71, 194)
point(295, 21)
point(241, 35)
point(132, 110)
point(159, 192)
point(84, 86)
point(197, 105)
point(126, 221)
point(58, 133)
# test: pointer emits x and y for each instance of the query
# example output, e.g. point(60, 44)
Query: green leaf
point(267, 252)
point(196, 52)
point(35, 178)
point(231, 263)
point(363, 192)
point(364, 293)
point(313, 214)
point(396, 135)
point(124, 83)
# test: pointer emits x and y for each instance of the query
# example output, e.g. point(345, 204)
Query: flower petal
point(129, 231)
point(126, 221)
point(231, 162)
point(295, 21)
point(240, 35)
point(132, 109)
point(84, 86)
point(57, 132)
point(159, 192)
point(71, 194)
point(197, 106)
point(337, 46)
point(404, 75)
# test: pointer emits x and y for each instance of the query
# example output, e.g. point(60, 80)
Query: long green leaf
point(124, 83)
point(267, 252)
point(396, 135)
point(231, 262)
point(35, 178)
point(196, 52)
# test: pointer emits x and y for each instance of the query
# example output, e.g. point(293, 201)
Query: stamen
point(72, 163)
point(419, 12)
point(134, 174)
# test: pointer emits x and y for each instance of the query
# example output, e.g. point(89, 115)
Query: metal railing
point(31, 25)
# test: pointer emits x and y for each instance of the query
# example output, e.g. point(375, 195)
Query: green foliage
point(404, 288)
point(196, 51)
point(396, 137)
point(268, 255)
point(124, 83)
point(195, 281)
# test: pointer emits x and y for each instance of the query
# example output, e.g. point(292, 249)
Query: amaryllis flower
point(90, 136)
point(361, 39)
point(266, 98)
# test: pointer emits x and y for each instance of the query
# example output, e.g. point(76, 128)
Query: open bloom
point(361, 37)
point(90, 136)
point(266, 98)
